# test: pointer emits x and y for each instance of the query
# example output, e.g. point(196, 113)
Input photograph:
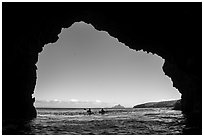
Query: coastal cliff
point(162, 104)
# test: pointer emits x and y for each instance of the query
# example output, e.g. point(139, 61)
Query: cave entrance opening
point(89, 68)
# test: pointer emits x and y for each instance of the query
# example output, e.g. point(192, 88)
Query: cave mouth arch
point(177, 26)
point(119, 47)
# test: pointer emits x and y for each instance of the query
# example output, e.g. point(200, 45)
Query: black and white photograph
point(102, 68)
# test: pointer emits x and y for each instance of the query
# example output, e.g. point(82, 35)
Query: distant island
point(173, 103)
point(118, 106)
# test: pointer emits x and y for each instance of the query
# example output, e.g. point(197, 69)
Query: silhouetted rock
point(177, 105)
point(118, 106)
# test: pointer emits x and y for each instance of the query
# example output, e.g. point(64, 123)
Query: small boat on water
point(102, 111)
point(89, 111)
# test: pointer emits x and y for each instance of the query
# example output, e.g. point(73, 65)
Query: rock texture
point(173, 31)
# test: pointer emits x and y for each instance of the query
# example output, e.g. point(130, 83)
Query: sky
point(90, 68)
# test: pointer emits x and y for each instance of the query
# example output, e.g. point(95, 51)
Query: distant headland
point(118, 106)
point(173, 103)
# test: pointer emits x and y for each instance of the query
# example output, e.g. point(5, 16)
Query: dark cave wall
point(173, 31)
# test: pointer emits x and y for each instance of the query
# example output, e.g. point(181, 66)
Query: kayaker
point(102, 111)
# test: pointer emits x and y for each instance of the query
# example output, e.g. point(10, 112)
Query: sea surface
point(128, 121)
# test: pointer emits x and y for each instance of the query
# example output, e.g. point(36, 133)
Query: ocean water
point(129, 121)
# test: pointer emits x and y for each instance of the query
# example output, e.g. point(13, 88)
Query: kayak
point(90, 113)
point(102, 112)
